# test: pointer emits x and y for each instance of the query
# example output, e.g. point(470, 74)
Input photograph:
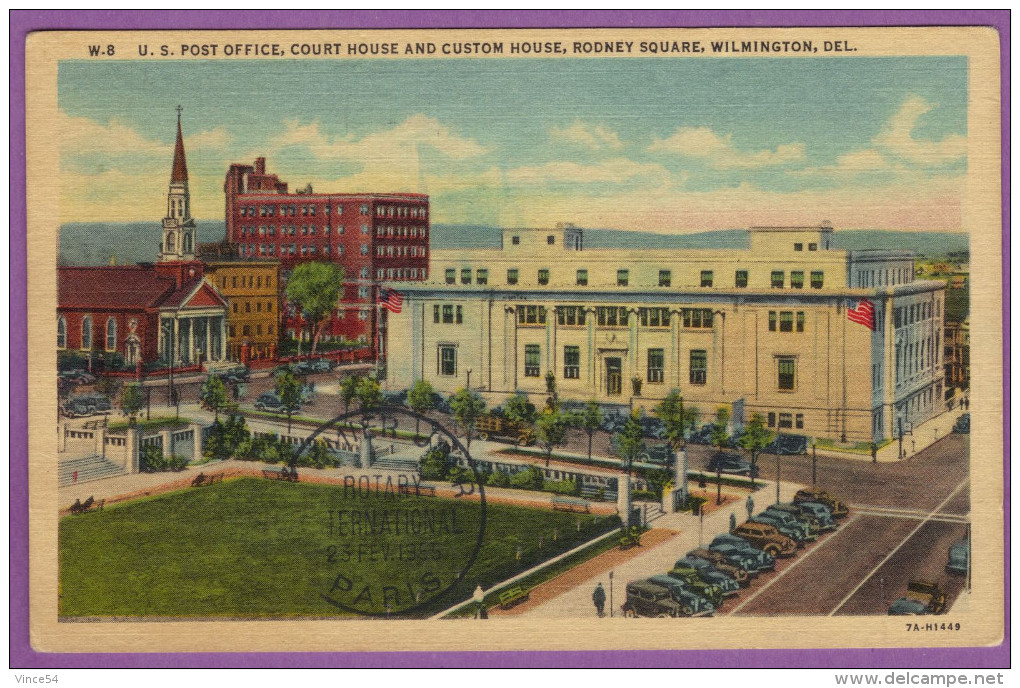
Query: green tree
point(420, 399)
point(288, 388)
point(467, 406)
point(590, 420)
point(433, 464)
point(214, 394)
point(676, 418)
point(551, 431)
point(720, 435)
point(369, 396)
point(315, 288)
point(132, 400)
point(519, 409)
point(632, 440)
point(754, 439)
point(349, 390)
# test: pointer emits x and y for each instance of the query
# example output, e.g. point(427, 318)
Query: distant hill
point(93, 243)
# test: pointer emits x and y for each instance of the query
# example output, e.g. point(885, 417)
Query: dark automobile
point(236, 375)
point(819, 515)
point(691, 604)
point(87, 405)
point(270, 402)
point(768, 538)
point(836, 506)
point(648, 599)
point(792, 521)
point(923, 597)
point(720, 563)
point(732, 544)
point(709, 573)
point(694, 582)
point(733, 464)
point(702, 435)
point(788, 444)
point(962, 424)
point(794, 532)
point(658, 454)
point(959, 557)
point(653, 427)
point(77, 375)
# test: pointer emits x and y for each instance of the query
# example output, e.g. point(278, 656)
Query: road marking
point(942, 518)
point(792, 566)
point(900, 510)
point(897, 548)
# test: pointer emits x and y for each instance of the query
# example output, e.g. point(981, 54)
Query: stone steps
point(89, 468)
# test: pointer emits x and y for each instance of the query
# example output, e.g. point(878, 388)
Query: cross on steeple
point(178, 108)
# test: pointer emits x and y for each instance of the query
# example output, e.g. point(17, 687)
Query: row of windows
point(448, 314)
point(292, 249)
point(615, 316)
point(246, 330)
point(884, 278)
point(292, 210)
point(786, 320)
point(917, 356)
point(785, 420)
point(402, 232)
point(86, 333)
point(916, 312)
point(401, 211)
point(399, 273)
point(249, 281)
point(414, 252)
point(292, 230)
point(817, 277)
point(258, 306)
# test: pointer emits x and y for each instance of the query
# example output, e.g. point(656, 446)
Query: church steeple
point(178, 227)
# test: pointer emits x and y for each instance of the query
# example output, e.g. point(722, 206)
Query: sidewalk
point(922, 437)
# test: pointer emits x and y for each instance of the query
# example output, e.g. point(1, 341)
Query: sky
point(664, 145)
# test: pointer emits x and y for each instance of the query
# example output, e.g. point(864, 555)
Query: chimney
point(260, 165)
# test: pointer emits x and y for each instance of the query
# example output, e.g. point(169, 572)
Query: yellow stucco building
point(252, 291)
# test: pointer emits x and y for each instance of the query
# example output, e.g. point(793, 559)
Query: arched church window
point(61, 332)
point(86, 332)
point(170, 241)
point(111, 334)
point(187, 242)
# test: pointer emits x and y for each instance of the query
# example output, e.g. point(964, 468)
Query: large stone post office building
point(761, 330)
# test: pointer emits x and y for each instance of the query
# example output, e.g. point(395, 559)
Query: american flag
point(391, 300)
point(863, 313)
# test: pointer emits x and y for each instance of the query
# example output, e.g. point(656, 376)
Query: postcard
point(515, 339)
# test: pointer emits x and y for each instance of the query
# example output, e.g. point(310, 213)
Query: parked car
point(962, 424)
point(236, 374)
point(653, 427)
point(819, 514)
point(794, 532)
point(788, 444)
point(87, 405)
point(767, 538)
point(720, 563)
point(836, 506)
point(923, 597)
point(691, 604)
point(702, 435)
point(693, 582)
point(658, 454)
point(268, 401)
point(959, 557)
point(648, 599)
point(77, 375)
point(732, 464)
point(709, 573)
point(755, 559)
point(792, 521)
point(313, 365)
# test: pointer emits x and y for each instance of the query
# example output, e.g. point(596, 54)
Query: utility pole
point(814, 463)
point(778, 474)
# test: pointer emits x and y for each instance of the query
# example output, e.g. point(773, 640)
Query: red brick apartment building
point(374, 237)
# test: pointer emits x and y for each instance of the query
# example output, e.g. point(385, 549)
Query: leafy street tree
point(675, 417)
point(518, 408)
point(590, 420)
point(370, 398)
point(632, 440)
point(132, 400)
point(288, 388)
point(420, 399)
point(315, 288)
point(349, 390)
point(467, 406)
point(214, 394)
point(720, 435)
point(754, 439)
point(551, 430)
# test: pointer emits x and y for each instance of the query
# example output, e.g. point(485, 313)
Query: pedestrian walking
point(750, 507)
point(733, 521)
point(599, 598)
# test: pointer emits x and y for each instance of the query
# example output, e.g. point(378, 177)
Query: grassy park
point(255, 548)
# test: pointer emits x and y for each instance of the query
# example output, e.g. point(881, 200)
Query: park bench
point(421, 490)
point(281, 474)
point(512, 596)
point(89, 504)
point(570, 504)
point(203, 479)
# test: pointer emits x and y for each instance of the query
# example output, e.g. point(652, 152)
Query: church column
point(223, 337)
point(191, 340)
point(210, 354)
point(175, 348)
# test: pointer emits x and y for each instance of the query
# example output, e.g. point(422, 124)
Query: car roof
point(646, 585)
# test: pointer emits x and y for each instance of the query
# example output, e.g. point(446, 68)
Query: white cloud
point(591, 136)
point(719, 151)
point(897, 138)
point(615, 171)
point(81, 135)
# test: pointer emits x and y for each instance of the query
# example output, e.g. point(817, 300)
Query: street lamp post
point(718, 484)
point(610, 594)
point(814, 463)
point(779, 467)
point(469, 379)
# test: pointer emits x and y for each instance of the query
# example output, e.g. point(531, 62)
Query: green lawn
point(260, 548)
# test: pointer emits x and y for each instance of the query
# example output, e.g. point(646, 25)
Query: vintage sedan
point(796, 533)
point(732, 464)
point(768, 538)
point(647, 599)
point(754, 558)
point(733, 567)
point(693, 582)
point(809, 532)
point(691, 604)
point(819, 514)
point(836, 505)
point(270, 402)
point(87, 405)
point(923, 597)
point(709, 573)
point(959, 557)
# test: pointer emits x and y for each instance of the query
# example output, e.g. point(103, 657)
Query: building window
point(798, 247)
point(612, 316)
point(786, 321)
point(435, 313)
point(570, 315)
point(362, 315)
point(706, 278)
point(532, 360)
point(364, 249)
point(451, 276)
point(448, 314)
point(531, 315)
point(582, 278)
point(551, 239)
point(447, 359)
point(812, 247)
point(233, 332)
point(656, 359)
point(571, 362)
point(86, 332)
point(543, 276)
point(61, 332)
point(797, 279)
point(483, 276)
point(778, 278)
point(465, 276)
point(515, 240)
point(787, 369)
point(785, 420)
point(699, 367)
point(362, 292)
point(511, 276)
point(460, 314)
point(258, 306)
point(665, 278)
point(772, 419)
point(772, 321)
point(817, 279)
point(246, 330)
point(740, 279)
point(800, 421)
point(622, 278)
point(653, 317)
point(697, 317)
point(800, 321)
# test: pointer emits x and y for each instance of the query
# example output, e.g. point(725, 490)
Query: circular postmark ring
point(363, 593)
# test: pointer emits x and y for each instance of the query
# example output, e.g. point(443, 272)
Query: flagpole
point(843, 434)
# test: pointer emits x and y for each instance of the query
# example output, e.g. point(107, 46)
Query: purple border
point(22, 22)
